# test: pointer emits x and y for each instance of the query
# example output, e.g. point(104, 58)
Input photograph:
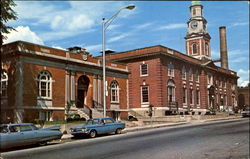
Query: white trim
point(142, 75)
point(144, 103)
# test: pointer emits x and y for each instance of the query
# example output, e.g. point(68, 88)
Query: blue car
point(13, 135)
point(98, 126)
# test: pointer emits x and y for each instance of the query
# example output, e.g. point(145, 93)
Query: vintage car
point(246, 113)
point(13, 135)
point(98, 126)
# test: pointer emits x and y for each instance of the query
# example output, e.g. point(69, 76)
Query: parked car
point(13, 135)
point(245, 113)
point(98, 126)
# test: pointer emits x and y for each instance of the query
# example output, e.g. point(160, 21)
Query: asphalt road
point(214, 140)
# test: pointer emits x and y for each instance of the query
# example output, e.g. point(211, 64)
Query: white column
point(73, 86)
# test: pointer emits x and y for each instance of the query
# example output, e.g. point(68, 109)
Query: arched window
point(44, 84)
point(4, 83)
point(183, 73)
point(114, 87)
point(207, 49)
point(171, 91)
point(194, 47)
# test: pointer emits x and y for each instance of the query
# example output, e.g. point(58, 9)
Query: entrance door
point(82, 89)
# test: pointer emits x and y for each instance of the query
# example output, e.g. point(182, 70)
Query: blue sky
point(63, 24)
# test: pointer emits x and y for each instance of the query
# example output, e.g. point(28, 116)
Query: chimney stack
point(223, 48)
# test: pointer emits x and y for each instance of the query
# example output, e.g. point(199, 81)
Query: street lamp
point(105, 24)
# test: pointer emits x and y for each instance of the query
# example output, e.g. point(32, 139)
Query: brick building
point(176, 83)
point(243, 97)
point(38, 82)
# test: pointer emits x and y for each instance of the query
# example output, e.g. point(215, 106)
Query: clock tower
point(197, 38)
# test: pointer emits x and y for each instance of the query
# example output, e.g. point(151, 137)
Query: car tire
point(92, 134)
point(44, 143)
point(118, 131)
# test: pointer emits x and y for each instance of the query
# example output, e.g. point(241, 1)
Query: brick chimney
point(223, 48)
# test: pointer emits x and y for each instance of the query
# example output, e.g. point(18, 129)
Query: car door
point(28, 135)
point(99, 126)
point(109, 125)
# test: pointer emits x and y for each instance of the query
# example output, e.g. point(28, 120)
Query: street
point(227, 139)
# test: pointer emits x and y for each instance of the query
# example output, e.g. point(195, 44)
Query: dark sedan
point(13, 135)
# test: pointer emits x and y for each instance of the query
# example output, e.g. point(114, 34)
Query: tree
point(7, 13)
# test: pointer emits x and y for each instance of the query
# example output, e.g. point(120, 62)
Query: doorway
point(82, 89)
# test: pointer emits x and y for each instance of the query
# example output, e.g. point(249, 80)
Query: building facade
point(39, 82)
point(176, 83)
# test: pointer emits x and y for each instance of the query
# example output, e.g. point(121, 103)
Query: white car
point(245, 113)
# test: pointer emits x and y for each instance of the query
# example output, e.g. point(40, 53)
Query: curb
point(147, 127)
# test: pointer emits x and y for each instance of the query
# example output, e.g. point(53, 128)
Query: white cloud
point(94, 48)
point(215, 54)
point(24, 34)
point(142, 26)
point(239, 24)
point(244, 77)
point(116, 38)
point(172, 26)
point(66, 19)
point(58, 47)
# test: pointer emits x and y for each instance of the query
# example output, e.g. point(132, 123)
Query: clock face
point(194, 24)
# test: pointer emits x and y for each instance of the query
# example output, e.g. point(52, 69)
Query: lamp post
point(105, 24)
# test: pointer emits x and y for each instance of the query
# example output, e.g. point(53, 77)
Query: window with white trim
point(4, 83)
point(197, 77)
point(207, 49)
point(210, 79)
point(191, 95)
point(144, 94)
point(44, 81)
point(190, 75)
point(144, 69)
point(183, 73)
point(114, 88)
point(171, 70)
point(194, 48)
point(184, 95)
point(171, 91)
point(197, 97)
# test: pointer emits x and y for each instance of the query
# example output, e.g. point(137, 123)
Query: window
point(197, 77)
point(207, 49)
point(4, 84)
point(194, 11)
point(144, 94)
point(197, 97)
point(190, 75)
point(194, 47)
point(171, 91)
point(45, 115)
point(171, 70)
point(224, 84)
point(184, 95)
point(114, 92)
point(210, 79)
point(144, 69)
point(191, 96)
point(183, 73)
point(44, 85)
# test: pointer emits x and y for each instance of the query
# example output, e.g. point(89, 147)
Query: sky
point(64, 24)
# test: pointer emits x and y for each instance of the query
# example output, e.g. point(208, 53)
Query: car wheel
point(44, 143)
point(118, 131)
point(93, 134)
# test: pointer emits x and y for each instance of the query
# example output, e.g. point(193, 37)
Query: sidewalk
point(153, 126)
